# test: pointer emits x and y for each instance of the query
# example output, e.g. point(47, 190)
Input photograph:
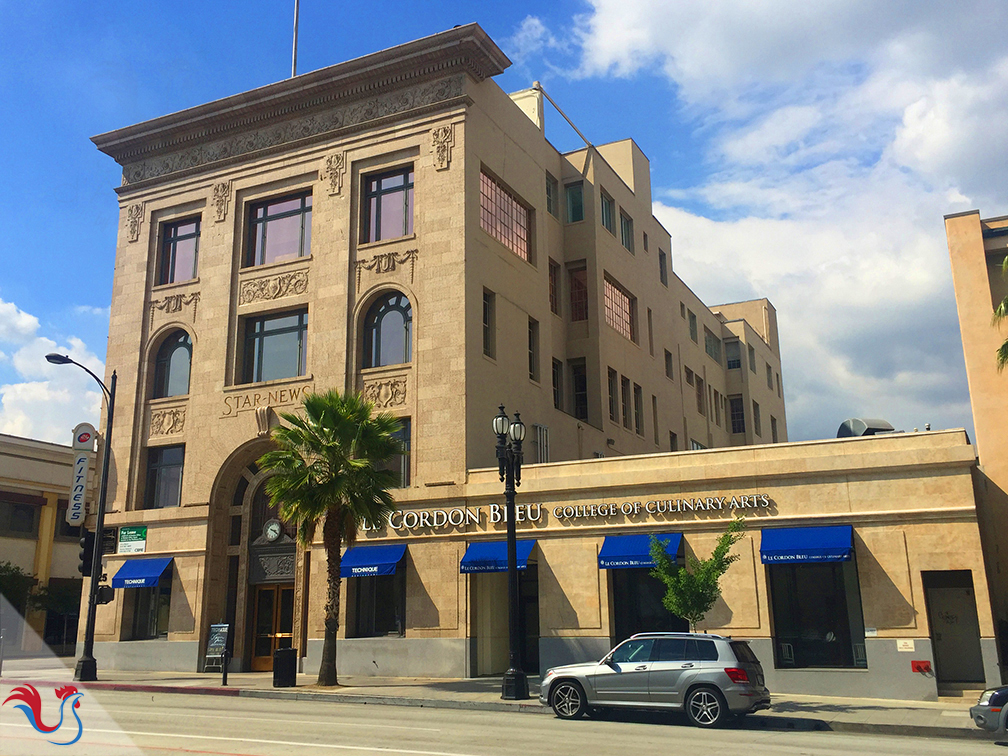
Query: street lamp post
point(509, 458)
point(87, 667)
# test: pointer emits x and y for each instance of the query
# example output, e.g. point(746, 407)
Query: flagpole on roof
point(294, 55)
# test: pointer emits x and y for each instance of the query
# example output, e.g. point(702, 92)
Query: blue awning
point(491, 556)
point(798, 545)
point(140, 573)
point(622, 551)
point(362, 561)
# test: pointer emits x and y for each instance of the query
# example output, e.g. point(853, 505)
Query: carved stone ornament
point(390, 392)
point(134, 220)
point(273, 287)
point(386, 262)
point(167, 421)
point(442, 140)
point(221, 198)
point(277, 134)
point(332, 171)
point(174, 303)
point(264, 420)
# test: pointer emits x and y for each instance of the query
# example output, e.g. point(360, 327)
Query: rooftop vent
point(869, 426)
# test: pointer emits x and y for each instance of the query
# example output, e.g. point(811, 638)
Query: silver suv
point(711, 677)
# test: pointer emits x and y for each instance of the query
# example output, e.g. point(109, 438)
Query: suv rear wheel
point(706, 707)
point(568, 700)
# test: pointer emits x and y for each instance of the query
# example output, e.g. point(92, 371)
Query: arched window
point(388, 331)
point(171, 369)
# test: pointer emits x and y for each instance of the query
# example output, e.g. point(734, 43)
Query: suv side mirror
point(607, 660)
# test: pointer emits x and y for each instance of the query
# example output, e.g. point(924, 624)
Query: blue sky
point(805, 152)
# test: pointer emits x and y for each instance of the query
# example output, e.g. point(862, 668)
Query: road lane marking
point(364, 723)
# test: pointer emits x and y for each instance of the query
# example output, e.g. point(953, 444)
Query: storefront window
point(380, 605)
point(817, 615)
point(151, 608)
point(637, 605)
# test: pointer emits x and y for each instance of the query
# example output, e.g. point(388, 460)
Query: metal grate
point(620, 309)
point(503, 217)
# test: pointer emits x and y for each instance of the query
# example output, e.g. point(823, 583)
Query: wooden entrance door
point(274, 623)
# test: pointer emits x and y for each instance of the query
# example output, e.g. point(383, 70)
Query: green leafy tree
point(1000, 315)
point(59, 598)
point(328, 467)
point(690, 593)
point(15, 585)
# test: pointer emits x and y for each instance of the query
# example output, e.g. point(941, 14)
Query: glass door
point(274, 623)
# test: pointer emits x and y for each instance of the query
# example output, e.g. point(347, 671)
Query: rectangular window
point(552, 196)
point(626, 230)
point(388, 205)
point(400, 463)
point(533, 349)
point(613, 396)
point(620, 309)
point(682, 311)
point(638, 410)
point(276, 347)
point(701, 396)
point(151, 608)
point(625, 391)
point(673, 441)
point(696, 445)
point(579, 388)
point(63, 528)
point(778, 385)
point(669, 366)
point(817, 617)
point(575, 202)
point(558, 385)
point(717, 408)
point(773, 429)
point(554, 287)
point(504, 217)
point(542, 444)
point(712, 345)
point(662, 267)
point(693, 333)
point(654, 417)
point(756, 419)
point(489, 324)
point(752, 359)
point(689, 377)
point(737, 410)
point(608, 211)
point(19, 519)
point(733, 354)
point(645, 242)
point(769, 377)
point(650, 332)
point(179, 251)
point(164, 476)
point(279, 230)
point(579, 294)
point(380, 604)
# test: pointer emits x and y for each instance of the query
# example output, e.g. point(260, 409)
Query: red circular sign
point(83, 438)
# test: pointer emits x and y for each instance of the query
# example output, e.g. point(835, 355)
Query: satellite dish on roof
point(869, 426)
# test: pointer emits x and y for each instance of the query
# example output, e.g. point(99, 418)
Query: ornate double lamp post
point(87, 667)
point(509, 459)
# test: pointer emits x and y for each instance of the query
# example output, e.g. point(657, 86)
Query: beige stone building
point(35, 480)
point(399, 225)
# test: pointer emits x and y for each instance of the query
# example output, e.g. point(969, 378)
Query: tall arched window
point(171, 368)
point(388, 331)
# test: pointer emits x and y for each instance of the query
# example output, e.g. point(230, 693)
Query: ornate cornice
point(273, 287)
point(386, 262)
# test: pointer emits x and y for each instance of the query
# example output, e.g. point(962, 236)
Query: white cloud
point(16, 326)
point(46, 401)
point(98, 312)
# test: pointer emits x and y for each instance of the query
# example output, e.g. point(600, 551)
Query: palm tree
point(328, 471)
point(1000, 314)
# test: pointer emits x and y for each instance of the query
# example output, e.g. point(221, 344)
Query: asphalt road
point(115, 723)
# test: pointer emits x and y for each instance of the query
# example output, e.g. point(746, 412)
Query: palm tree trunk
point(332, 540)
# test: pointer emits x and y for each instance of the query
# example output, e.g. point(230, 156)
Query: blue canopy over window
point(622, 551)
point(362, 561)
point(834, 543)
point(491, 556)
point(141, 573)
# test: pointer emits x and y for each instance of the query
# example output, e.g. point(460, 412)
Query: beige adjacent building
point(35, 480)
point(399, 225)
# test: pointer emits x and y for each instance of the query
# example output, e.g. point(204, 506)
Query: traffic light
point(105, 594)
point(86, 555)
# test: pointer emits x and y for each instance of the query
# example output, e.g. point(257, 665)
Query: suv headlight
point(985, 697)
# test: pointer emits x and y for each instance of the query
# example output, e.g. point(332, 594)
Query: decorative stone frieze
point(134, 221)
point(386, 262)
point(442, 140)
point(221, 198)
point(386, 392)
point(174, 303)
point(167, 422)
point(274, 134)
point(273, 287)
point(332, 172)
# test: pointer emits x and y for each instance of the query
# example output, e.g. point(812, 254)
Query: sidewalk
point(788, 712)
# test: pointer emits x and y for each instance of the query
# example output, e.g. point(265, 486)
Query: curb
point(753, 721)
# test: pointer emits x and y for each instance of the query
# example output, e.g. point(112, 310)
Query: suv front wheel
point(568, 700)
point(706, 707)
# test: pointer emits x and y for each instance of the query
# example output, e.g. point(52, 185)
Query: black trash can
point(285, 668)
